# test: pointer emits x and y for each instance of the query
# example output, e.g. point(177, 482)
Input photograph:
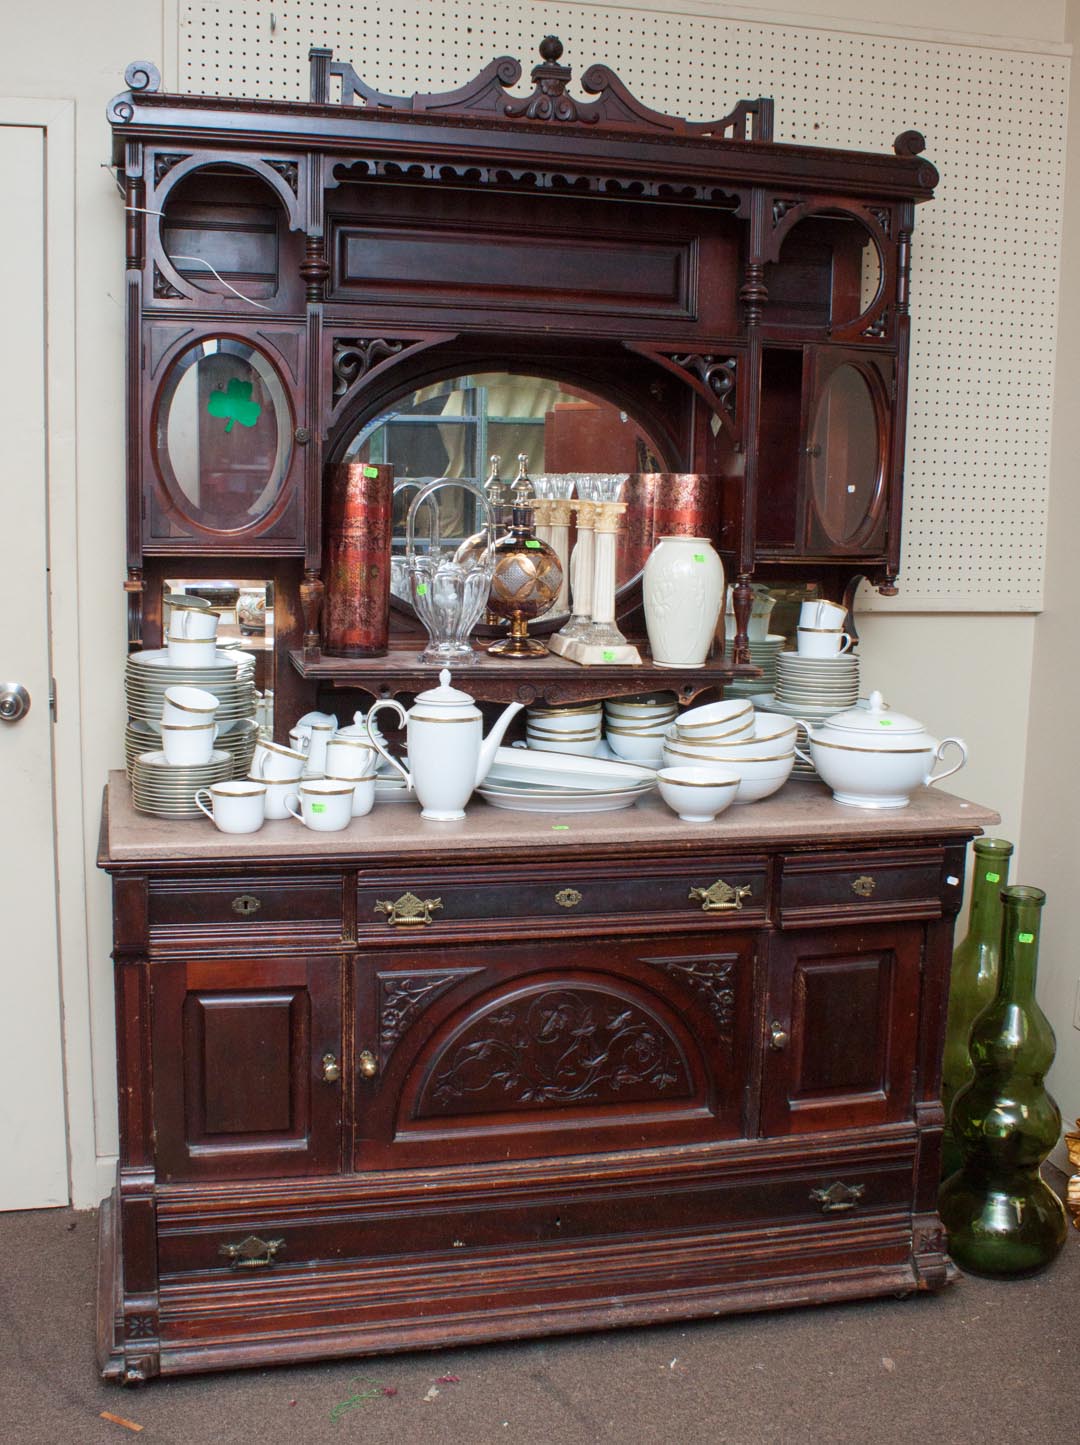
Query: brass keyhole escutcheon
point(331, 1069)
point(246, 905)
point(568, 898)
point(369, 1065)
point(864, 885)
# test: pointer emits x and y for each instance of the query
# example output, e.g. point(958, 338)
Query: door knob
point(369, 1065)
point(14, 701)
point(778, 1036)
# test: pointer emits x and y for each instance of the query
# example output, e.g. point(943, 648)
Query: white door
point(33, 1137)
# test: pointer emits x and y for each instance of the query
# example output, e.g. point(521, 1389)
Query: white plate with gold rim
point(565, 770)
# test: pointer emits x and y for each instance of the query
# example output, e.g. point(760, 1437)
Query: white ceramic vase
point(683, 593)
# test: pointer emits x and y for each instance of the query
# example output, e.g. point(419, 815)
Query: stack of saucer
point(571, 729)
point(816, 686)
point(168, 790)
point(763, 654)
point(229, 678)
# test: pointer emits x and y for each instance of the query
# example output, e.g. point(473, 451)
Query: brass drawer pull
point(864, 885)
point(246, 905)
point(331, 1069)
point(779, 1037)
point(408, 911)
point(252, 1253)
point(720, 897)
point(568, 898)
point(838, 1197)
point(369, 1065)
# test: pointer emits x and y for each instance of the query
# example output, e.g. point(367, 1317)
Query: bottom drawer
point(486, 1209)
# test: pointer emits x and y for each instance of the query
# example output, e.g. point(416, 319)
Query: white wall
point(960, 674)
point(1052, 791)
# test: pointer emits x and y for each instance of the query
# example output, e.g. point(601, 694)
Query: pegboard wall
point(986, 251)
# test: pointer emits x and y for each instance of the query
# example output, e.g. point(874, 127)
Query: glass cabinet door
point(847, 454)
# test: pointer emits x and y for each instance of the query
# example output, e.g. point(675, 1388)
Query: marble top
point(801, 813)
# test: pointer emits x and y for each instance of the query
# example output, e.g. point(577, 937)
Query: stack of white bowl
point(634, 727)
point(575, 728)
point(758, 746)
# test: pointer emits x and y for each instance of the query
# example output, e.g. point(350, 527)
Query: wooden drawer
point(245, 906)
point(393, 1216)
point(832, 887)
point(562, 896)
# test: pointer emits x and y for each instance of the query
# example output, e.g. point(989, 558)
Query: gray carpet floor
point(982, 1364)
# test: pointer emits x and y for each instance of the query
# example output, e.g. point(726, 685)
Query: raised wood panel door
point(240, 1086)
point(532, 1049)
point(841, 1026)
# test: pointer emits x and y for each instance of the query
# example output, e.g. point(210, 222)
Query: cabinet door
point(238, 1050)
point(846, 453)
point(552, 1047)
point(840, 1028)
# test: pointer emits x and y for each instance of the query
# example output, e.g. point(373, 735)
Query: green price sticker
point(993, 878)
point(560, 827)
point(421, 589)
point(533, 543)
point(608, 655)
point(1025, 938)
point(371, 472)
point(318, 807)
point(885, 722)
point(699, 556)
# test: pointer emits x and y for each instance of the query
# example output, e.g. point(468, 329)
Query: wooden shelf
point(548, 679)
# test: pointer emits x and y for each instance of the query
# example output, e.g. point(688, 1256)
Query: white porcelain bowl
point(758, 777)
point(716, 718)
point(635, 746)
point(769, 739)
point(580, 747)
point(699, 793)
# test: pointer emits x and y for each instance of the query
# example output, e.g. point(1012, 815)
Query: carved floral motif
point(354, 357)
point(562, 1046)
point(716, 373)
point(403, 997)
point(712, 979)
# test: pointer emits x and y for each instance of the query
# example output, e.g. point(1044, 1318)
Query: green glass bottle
point(974, 978)
point(1001, 1217)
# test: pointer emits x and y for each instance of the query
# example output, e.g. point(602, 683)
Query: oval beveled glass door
point(223, 434)
point(845, 456)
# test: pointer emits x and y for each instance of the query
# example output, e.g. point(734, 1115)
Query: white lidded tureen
point(873, 757)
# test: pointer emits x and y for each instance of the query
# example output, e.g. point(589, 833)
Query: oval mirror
point(845, 454)
point(223, 435)
point(453, 427)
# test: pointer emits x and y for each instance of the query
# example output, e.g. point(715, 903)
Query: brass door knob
point(369, 1065)
point(331, 1069)
point(779, 1038)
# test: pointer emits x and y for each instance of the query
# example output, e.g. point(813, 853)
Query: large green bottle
point(974, 978)
point(1001, 1217)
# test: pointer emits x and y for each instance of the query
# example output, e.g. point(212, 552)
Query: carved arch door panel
point(523, 1050)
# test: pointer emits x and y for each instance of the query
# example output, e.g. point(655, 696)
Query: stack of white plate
point(148, 674)
point(574, 728)
point(168, 791)
point(831, 683)
point(237, 738)
point(541, 782)
point(763, 654)
point(634, 727)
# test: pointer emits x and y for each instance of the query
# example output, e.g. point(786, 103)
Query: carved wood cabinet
point(385, 1092)
point(415, 1085)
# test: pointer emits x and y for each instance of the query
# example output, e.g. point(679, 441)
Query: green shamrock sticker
point(235, 404)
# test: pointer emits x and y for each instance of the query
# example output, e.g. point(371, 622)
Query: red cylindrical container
point(665, 504)
point(356, 565)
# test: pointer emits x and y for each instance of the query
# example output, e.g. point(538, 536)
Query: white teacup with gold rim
point(363, 791)
point(823, 641)
point(187, 744)
point(273, 763)
point(192, 623)
point(350, 758)
point(237, 805)
point(322, 804)
point(188, 705)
